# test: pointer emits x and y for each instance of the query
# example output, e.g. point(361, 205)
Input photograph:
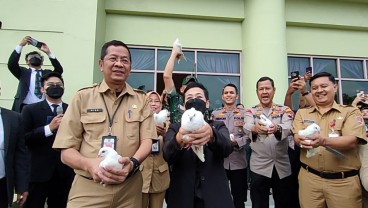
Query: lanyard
point(111, 119)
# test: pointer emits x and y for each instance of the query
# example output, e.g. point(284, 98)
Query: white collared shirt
point(48, 132)
point(2, 148)
point(31, 97)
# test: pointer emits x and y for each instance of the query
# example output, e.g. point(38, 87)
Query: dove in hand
point(192, 120)
point(308, 133)
point(232, 137)
point(177, 44)
point(267, 123)
point(161, 117)
point(110, 158)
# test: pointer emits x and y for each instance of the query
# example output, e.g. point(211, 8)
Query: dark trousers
point(294, 156)
point(56, 191)
point(260, 190)
point(3, 194)
point(238, 186)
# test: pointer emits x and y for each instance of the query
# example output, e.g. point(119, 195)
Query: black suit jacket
point(190, 177)
point(44, 159)
point(16, 163)
point(24, 76)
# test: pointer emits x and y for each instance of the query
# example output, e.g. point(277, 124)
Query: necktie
point(55, 106)
point(38, 84)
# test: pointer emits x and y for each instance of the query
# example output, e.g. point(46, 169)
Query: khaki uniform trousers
point(153, 200)
point(317, 192)
point(87, 193)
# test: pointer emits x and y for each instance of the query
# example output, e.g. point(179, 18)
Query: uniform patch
point(308, 121)
point(359, 119)
point(239, 123)
point(94, 110)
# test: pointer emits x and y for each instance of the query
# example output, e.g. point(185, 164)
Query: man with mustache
point(269, 162)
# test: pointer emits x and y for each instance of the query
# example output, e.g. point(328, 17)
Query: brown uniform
point(82, 127)
point(156, 178)
point(316, 191)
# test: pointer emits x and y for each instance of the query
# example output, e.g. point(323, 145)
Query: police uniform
point(333, 181)
point(236, 164)
point(82, 128)
point(269, 161)
point(156, 178)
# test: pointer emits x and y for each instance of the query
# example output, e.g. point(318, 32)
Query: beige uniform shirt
point(347, 121)
point(155, 172)
point(270, 152)
point(86, 121)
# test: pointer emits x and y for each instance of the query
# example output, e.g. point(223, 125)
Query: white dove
point(111, 158)
point(308, 133)
point(232, 137)
point(161, 117)
point(267, 123)
point(192, 120)
point(177, 44)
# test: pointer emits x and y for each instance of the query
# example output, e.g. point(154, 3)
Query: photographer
point(29, 87)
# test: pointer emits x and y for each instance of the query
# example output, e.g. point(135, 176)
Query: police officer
point(236, 164)
point(269, 162)
point(325, 179)
point(109, 114)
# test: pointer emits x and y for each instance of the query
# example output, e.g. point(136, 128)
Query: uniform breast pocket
point(338, 127)
point(132, 125)
point(238, 127)
point(93, 124)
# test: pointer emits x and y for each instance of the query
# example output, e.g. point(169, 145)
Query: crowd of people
point(49, 148)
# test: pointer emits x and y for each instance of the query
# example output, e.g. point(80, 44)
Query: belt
point(331, 175)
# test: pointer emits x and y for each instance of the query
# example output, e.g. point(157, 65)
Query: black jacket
point(192, 178)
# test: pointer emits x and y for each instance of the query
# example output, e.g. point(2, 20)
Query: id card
point(155, 147)
point(109, 141)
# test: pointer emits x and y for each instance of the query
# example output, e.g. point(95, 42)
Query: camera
point(294, 74)
point(36, 43)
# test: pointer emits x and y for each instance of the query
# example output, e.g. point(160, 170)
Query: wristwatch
point(135, 166)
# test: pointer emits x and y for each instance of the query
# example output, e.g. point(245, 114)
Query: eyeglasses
point(50, 84)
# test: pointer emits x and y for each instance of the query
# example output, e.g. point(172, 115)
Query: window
point(214, 69)
point(350, 74)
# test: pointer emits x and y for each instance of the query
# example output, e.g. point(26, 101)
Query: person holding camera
point(29, 87)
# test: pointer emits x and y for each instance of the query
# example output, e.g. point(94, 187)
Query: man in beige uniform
point(109, 114)
point(326, 180)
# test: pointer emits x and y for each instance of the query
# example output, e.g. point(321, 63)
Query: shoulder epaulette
point(138, 90)
point(217, 109)
point(93, 86)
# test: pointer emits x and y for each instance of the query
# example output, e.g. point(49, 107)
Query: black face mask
point(197, 104)
point(35, 61)
point(55, 92)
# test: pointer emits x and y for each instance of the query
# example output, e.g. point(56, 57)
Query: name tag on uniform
point(308, 121)
point(94, 110)
point(155, 147)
